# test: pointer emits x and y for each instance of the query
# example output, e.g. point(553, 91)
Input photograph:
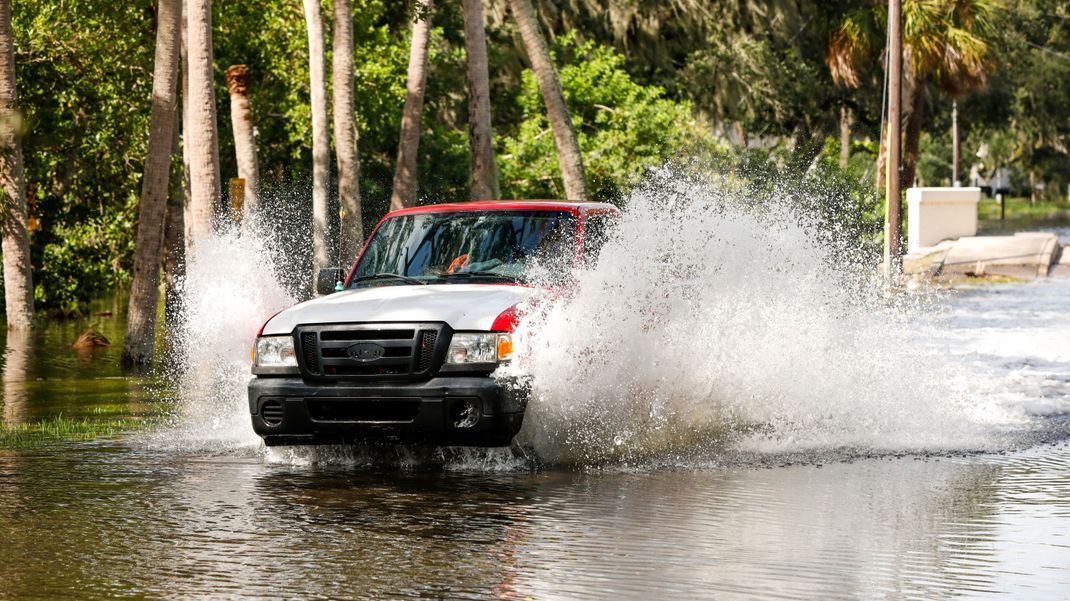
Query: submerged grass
point(59, 428)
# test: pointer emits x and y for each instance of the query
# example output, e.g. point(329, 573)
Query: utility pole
point(955, 180)
point(892, 251)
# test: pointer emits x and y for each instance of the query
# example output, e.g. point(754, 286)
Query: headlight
point(468, 348)
point(275, 354)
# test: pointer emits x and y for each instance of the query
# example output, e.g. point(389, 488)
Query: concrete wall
point(935, 214)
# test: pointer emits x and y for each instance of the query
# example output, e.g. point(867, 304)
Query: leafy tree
point(84, 91)
point(624, 128)
point(946, 42)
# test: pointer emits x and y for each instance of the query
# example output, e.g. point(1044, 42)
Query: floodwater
point(194, 508)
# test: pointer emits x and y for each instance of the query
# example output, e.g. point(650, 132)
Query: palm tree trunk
point(482, 169)
point(351, 230)
point(845, 136)
point(174, 236)
point(141, 315)
point(241, 118)
point(912, 142)
point(404, 191)
point(321, 151)
point(18, 273)
point(187, 201)
point(568, 147)
point(203, 141)
point(173, 265)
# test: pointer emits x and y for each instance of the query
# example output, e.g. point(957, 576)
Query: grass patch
point(970, 280)
point(63, 429)
point(1020, 208)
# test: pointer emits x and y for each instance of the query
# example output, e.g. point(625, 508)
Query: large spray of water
point(711, 326)
point(232, 283)
point(714, 324)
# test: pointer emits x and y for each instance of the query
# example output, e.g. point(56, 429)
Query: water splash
point(713, 325)
point(233, 283)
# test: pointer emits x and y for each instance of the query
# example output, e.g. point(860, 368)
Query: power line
point(1062, 55)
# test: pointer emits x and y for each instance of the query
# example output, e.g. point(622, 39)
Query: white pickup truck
point(403, 346)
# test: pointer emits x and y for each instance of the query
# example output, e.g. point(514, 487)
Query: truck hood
point(462, 306)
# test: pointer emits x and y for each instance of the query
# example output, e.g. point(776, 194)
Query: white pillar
point(936, 214)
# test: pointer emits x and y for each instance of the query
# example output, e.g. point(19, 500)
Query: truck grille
point(368, 351)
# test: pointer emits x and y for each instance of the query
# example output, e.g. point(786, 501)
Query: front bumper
point(466, 411)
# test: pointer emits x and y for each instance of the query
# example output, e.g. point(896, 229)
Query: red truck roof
point(573, 207)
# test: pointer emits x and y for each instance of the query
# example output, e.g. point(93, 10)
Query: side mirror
point(327, 279)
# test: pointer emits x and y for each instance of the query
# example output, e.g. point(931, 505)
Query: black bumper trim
point(501, 411)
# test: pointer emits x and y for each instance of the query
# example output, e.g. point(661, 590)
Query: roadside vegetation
point(101, 422)
point(1055, 210)
point(506, 98)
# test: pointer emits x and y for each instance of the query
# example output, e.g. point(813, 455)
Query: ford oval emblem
point(365, 351)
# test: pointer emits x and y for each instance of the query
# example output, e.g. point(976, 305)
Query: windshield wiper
point(395, 276)
point(481, 274)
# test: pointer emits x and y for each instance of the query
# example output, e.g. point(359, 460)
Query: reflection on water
point(118, 521)
point(45, 376)
point(16, 366)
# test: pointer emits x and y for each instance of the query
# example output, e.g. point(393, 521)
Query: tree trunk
point(741, 133)
point(351, 230)
point(241, 118)
point(483, 173)
point(174, 235)
point(18, 273)
point(568, 146)
point(404, 191)
point(141, 315)
point(912, 142)
point(845, 136)
point(173, 264)
point(321, 150)
point(187, 202)
point(203, 141)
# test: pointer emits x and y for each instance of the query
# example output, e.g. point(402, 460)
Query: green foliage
point(624, 127)
point(647, 82)
point(84, 90)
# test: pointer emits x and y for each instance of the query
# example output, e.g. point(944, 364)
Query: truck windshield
point(466, 246)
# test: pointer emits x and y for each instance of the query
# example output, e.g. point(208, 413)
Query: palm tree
point(241, 118)
point(321, 151)
point(141, 316)
point(404, 189)
point(345, 132)
point(202, 143)
point(568, 146)
point(482, 169)
point(944, 43)
point(18, 275)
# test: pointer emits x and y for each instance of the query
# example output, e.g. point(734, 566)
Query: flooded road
point(104, 520)
point(876, 499)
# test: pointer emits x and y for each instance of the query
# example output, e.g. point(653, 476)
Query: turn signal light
point(505, 347)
